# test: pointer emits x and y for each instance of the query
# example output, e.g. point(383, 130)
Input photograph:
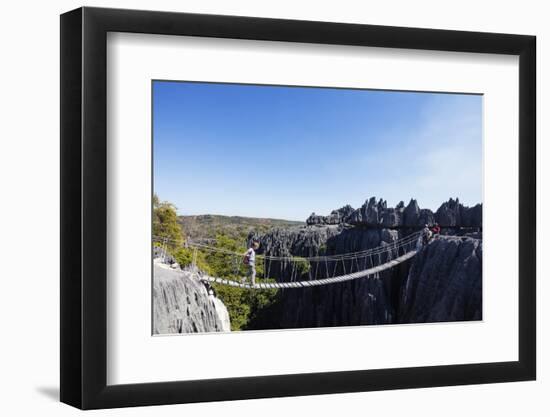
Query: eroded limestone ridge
point(375, 213)
point(182, 303)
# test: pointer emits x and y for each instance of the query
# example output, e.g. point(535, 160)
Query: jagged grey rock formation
point(297, 241)
point(414, 216)
point(335, 217)
point(181, 304)
point(453, 214)
point(370, 213)
point(377, 214)
point(444, 282)
point(360, 302)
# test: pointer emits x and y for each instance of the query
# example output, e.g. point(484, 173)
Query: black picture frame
point(84, 207)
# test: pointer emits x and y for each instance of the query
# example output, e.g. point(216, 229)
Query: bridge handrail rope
point(387, 247)
point(373, 263)
point(349, 255)
point(374, 271)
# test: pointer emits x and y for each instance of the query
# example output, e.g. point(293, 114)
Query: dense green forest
point(209, 226)
point(248, 309)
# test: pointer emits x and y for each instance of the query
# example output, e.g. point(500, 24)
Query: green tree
point(243, 305)
point(302, 266)
point(265, 309)
point(184, 257)
point(165, 223)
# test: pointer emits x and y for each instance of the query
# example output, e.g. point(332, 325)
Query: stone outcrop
point(453, 214)
point(444, 282)
point(377, 214)
point(297, 241)
point(182, 304)
point(335, 217)
point(415, 217)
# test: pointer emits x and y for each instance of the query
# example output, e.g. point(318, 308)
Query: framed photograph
point(257, 208)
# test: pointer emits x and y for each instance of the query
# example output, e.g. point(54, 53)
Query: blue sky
point(285, 152)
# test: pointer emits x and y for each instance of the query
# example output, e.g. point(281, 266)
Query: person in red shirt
point(436, 229)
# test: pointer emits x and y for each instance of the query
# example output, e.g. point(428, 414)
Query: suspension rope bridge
point(302, 272)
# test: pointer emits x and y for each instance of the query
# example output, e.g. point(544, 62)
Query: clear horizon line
point(239, 215)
